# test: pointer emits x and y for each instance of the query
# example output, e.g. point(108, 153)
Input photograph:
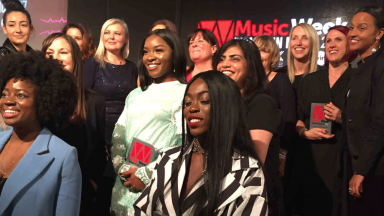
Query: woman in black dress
point(317, 159)
point(364, 113)
point(240, 60)
point(281, 91)
point(113, 76)
point(86, 128)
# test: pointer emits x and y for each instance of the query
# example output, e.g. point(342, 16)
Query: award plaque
point(141, 153)
point(318, 119)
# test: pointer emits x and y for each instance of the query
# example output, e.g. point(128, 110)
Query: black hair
point(256, 80)
point(209, 37)
point(378, 15)
point(56, 92)
point(15, 6)
point(224, 135)
point(178, 58)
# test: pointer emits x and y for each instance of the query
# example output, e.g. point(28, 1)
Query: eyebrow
point(200, 93)
point(18, 90)
point(232, 55)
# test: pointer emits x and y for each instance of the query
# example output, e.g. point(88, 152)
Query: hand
point(93, 184)
point(282, 167)
point(133, 183)
point(356, 184)
point(332, 112)
point(317, 134)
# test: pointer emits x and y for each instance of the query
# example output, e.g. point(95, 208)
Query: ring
point(350, 190)
point(331, 114)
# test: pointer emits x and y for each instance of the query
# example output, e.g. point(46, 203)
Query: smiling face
point(61, 50)
point(336, 45)
point(17, 28)
point(77, 36)
point(197, 108)
point(300, 44)
point(18, 103)
point(157, 57)
point(200, 49)
point(233, 64)
point(114, 37)
point(363, 33)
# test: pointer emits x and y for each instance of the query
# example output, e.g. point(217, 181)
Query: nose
point(9, 100)
point(151, 57)
point(194, 108)
point(225, 63)
point(18, 29)
point(111, 36)
point(299, 41)
point(194, 44)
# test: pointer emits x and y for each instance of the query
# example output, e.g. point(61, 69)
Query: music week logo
point(318, 114)
point(140, 153)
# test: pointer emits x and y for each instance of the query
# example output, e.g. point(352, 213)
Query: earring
point(374, 49)
point(174, 71)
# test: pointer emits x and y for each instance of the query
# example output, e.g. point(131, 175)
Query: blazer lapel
point(30, 166)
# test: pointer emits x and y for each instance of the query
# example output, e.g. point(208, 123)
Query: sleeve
point(89, 73)
point(254, 200)
point(68, 201)
point(374, 141)
point(263, 114)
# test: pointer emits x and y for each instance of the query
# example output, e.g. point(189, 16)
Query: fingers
point(356, 187)
point(126, 174)
point(326, 136)
point(132, 189)
point(127, 184)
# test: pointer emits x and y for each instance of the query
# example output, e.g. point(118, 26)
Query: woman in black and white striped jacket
point(216, 171)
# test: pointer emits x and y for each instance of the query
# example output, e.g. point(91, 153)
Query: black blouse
point(2, 180)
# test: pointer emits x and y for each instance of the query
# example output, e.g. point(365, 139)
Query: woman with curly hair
point(83, 37)
point(39, 172)
point(85, 130)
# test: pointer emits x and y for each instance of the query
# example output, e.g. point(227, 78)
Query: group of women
point(228, 135)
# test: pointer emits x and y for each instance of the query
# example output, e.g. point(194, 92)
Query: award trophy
point(318, 119)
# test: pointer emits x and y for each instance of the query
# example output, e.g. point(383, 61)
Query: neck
point(202, 67)
point(20, 47)
point(368, 52)
point(113, 56)
point(201, 141)
point(26, 134)
point(169, 77)
point(301, 66)
point(337, 68)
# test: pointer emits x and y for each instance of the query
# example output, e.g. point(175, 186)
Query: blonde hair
point(268, 44)
point(100, 52)
point(313, 53)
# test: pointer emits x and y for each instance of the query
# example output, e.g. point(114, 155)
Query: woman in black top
point(113, 76)
point(315, 172)
point(240, 60)
point(85, 130)
point(17, 22)
point(364, 112)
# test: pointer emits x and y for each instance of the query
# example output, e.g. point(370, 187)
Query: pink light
point(62, 20)
point(49, 32)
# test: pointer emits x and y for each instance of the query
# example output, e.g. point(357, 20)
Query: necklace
point(114, 66)
point(196, 149)
point(5, 171)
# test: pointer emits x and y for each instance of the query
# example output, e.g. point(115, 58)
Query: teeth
point(299, 49)
point(195, 120)
point(354, 41)
point(152, 66)
point(333, 52)
point(10, 111)
point(227, 72)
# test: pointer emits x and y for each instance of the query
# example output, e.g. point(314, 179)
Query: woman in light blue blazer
point(39, 173)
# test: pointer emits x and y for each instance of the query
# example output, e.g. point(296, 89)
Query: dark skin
point(18, 108)
point(158, 61)
point(197, 108)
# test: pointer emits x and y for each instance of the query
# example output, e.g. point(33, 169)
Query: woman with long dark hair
point(83, 37)
point(151, 114)
point(85, 130)
point(364, 112)
point(216, 171)
point(241, 61)
point(202, 47)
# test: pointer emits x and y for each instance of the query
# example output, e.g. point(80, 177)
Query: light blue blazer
point(46, 181)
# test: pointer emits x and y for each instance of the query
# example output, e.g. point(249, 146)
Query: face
point(77, 36)
point(363, 32)
point(18, 103)
point(61, 50)
point(17, 28)
point(114, 37)
point(157, 57)
point(300, 44)
point(265, 58)
point(159, 26)
point(233, 64)
point(200, 49)
point(336, 46)
point(197, 107)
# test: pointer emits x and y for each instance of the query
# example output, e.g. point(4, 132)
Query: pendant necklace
point(196, 149)
point(114, 66)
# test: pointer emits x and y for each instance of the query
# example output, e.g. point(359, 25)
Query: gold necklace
point(196, 150)
point(5, 172)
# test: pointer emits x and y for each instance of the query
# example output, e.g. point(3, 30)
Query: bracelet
point(301, 131)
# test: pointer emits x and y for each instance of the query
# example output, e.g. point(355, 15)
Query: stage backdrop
point(47, 16)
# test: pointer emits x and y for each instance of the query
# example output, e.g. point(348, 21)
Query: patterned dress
point(154, 116)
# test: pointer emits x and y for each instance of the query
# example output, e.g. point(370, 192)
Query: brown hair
point(167, 23)
point(89, 48)
point(268, 44)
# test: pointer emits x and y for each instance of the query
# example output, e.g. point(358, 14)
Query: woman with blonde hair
point(113, 76)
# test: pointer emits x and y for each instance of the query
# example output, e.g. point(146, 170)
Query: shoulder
point(4, 51)
point(130, 63)
point(60, 148)
point(264, 99)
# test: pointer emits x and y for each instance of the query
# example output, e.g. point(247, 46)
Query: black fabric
point(364, 131)
point(8, 48)
point(88, 139)
point(316, 180)
point(262, 113)
point(284, 95)
point(2, 180)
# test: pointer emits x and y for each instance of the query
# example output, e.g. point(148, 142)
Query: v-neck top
point(2, 180)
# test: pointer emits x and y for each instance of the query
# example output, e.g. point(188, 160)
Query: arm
point(68, 201)
point(312, 134)
point(261, 140)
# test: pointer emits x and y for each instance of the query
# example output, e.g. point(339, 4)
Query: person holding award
point(151, 120)
point(364, 113)
point(317, 159)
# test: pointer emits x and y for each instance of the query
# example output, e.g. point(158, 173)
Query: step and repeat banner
point(48, 16)
point(249, 19)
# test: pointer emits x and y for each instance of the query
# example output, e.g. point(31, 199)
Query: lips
point(354, 41)
point(10, 113)
point(228, 72)
point(194, 121)
point(152, 66)
point(332, 52)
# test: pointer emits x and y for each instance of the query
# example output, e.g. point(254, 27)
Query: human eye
point(3, 94)
point(159, 50)
point(328, 40)
point(188, 102)
point(106, 32)
point(21, 95)
point(205, 101)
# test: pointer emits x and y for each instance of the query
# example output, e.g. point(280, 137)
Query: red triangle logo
point(224, 27)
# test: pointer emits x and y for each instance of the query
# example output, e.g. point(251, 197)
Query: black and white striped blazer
point(243, 189)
